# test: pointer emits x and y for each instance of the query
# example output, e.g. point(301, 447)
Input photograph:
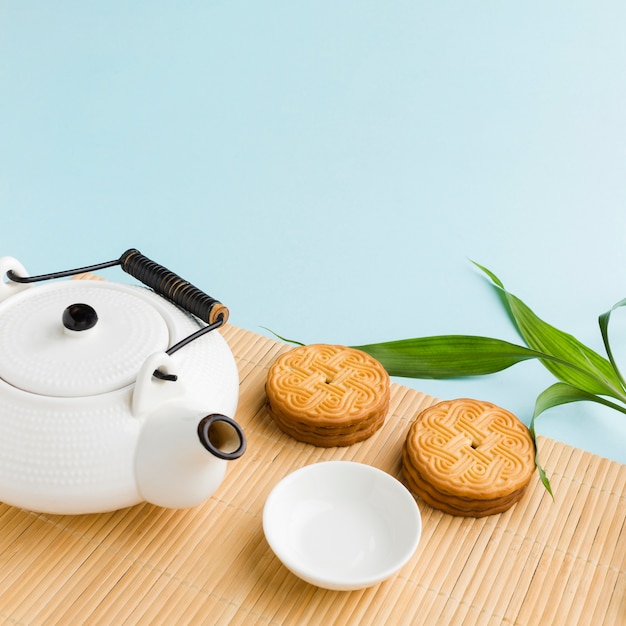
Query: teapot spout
point(173, 467)
point(222, 436)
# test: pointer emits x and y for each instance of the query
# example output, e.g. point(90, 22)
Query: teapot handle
point(151, 274)
point(173, 287)
point(159, 278)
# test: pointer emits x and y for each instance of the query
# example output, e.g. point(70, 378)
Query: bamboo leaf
point(556, 395)
point(604, 329)
point(448, 356)
point(562, 393)
point(545, 481)
point(591, 372)
point(297, 343)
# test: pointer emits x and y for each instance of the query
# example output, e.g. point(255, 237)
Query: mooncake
point(327, 395)
point(468, 457)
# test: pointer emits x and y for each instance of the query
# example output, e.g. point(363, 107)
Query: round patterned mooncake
point(328, 395)
point(468, 457)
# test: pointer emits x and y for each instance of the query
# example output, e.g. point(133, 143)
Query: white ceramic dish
point(342, 525)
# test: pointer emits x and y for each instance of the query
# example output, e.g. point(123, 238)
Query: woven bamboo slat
point(543, 561)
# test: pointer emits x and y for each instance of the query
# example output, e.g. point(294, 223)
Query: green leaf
point(448, 356)
point(269, 330)
point(604, 329)
point(545, 481)
point(562, 393)
point(555, 395)
point(576, 364)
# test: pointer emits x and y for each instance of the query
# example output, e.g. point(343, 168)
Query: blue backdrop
point(327, 169)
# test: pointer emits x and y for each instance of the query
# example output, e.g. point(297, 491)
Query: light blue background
point(326, 169)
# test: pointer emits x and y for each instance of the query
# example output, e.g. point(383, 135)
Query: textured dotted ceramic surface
point(39, 354)
point(76, 454)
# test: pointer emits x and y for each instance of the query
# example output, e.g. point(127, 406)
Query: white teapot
point(110, 394)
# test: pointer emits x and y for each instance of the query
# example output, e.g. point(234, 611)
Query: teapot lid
point(78, 338)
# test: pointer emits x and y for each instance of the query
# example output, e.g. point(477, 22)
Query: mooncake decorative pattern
point(468, 457)
point(328, 395)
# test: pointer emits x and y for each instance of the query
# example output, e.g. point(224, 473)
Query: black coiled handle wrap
point(173, 287)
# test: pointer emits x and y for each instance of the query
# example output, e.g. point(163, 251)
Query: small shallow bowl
point(342, 525)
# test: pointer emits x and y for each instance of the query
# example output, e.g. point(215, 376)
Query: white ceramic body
point(342, 525)
point(106, 451)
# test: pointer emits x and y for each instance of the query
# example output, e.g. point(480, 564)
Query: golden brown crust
point(328, 395)
point(449, 504)
point(468, 457)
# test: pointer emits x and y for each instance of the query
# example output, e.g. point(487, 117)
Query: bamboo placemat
point(561, 562)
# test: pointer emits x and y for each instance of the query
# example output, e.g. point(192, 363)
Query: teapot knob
point(78, 317)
